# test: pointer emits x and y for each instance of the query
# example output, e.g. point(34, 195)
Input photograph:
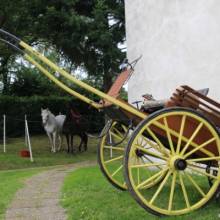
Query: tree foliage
point(86, 33)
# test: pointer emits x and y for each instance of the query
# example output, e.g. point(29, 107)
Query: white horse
point(53, 126)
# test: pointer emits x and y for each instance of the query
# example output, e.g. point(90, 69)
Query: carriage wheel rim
point(104, 164)
point(172, 173)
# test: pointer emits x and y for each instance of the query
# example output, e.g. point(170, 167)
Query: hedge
point(15, 108)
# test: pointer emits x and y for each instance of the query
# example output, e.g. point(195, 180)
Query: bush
point(15, 108)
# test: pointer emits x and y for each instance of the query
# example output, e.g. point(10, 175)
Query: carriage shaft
point(81, 84)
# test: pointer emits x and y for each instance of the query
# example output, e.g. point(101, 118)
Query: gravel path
point(39, 199)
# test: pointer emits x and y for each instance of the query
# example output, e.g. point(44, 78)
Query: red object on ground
point(24, 153)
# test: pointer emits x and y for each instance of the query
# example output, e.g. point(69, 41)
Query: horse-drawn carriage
point(169, 158)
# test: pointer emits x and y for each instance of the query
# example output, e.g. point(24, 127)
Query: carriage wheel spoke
point(154, 146)
point(142, 140)
point(124, 128)
point(117, 170)
point(199, 147)
point(148, 142)
point(138, 173)
point(162, 147)
point(204, 159)
point(176, 134)
point(172, 191)
point(151, 153)
point(180, 134)
point(114, 148)
point(118, 132)
point(192, 167)
point(195, 185)
point(147, 165)
point(151, 161)
point(116, 136)
point(160, 188)
point(184, 190)
point(154, 181)
point(114, 159)
point(168, 135)
point(191, 138)
point(151, 178)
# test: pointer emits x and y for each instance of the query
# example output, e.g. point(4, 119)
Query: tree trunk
point(107, 82)
point(107, 76)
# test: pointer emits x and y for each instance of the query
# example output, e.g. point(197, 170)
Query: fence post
point(25, 131)
point(28, 140)
point(4, 133)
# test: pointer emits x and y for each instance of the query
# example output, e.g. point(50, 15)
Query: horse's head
point(45, 115)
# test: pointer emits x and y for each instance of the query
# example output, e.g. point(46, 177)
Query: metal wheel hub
point(177, 163)
point(139, 153)
point(180, 164)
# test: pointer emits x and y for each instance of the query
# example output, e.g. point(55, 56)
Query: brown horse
point(75, 125)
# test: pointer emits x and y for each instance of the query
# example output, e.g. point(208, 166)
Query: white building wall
point(180, 44)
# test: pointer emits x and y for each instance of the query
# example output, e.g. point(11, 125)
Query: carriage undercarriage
point(169, 159)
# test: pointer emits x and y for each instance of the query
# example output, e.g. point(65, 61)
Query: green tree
point(14, 17)
point(86, 33)
point(29, 82)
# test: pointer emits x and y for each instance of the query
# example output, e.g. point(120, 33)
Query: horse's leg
point(60, 141)
point(68, 144)
point(50, 140)
point(81, 142)
point(85, 141)
point(71, 143)
point(61, 136)
point(54, 141)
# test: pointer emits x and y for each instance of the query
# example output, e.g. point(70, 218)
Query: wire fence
point(15, 125)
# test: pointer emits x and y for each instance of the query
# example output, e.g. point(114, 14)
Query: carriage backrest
point(185, 96)
point(115, 89)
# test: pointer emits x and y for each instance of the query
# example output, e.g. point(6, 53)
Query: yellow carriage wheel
point(111, 156)
point(187, 143)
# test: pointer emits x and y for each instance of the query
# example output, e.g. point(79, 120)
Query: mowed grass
point(86, 195)
point(42, 154)
point(14, 169)
point(10, 182)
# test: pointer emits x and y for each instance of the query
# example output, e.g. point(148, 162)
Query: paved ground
point(39, 199)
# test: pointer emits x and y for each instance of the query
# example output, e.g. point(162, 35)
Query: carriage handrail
point(30, 54)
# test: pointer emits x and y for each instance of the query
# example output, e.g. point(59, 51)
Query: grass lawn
point(41, 153)
point(10, 182)
point(14, 168)
point(88, 196)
